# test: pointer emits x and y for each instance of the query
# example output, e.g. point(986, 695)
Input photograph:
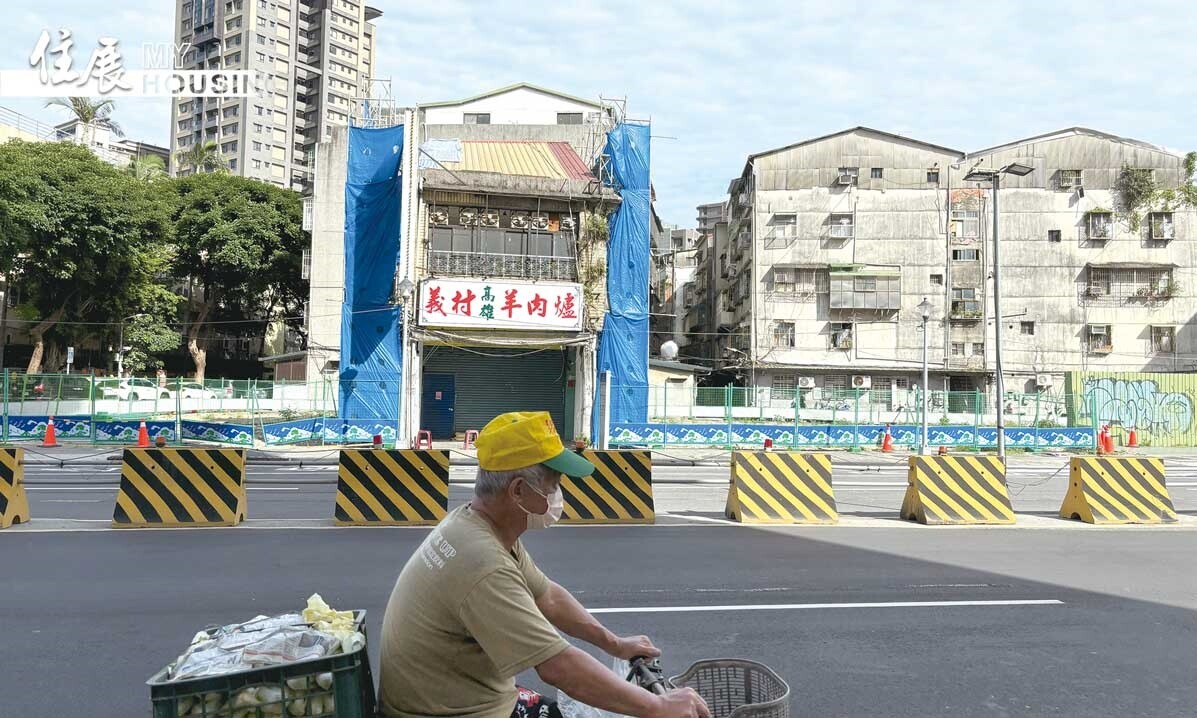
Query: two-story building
point(504, 247)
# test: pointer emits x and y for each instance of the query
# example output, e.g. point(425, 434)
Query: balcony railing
point(478, 264)
point(840, 231)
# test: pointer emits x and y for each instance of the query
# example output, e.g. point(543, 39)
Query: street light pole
point(1000, 383)
point(925, 312)
point(994, 177)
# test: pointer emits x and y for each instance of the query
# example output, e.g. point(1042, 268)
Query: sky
point(722, 80)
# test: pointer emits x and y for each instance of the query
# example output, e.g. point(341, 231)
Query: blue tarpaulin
point(623, 344)
point(371, 346)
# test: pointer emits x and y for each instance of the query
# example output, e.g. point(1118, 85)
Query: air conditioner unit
point(1043, 381)
point(845, 179)
point(468, 217)
point(540, 221)
point(438, 217)
point(520, 221)
point(567, 223)
point(806, 382)
point(861, 381)
point(489, 218)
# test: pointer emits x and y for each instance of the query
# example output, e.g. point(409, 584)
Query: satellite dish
point(669, 350)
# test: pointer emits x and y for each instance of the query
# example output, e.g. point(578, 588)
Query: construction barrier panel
point(781, 487)
point(14, 504)
point(944, 490)
point(181, 488)
point(1116, 490)
point(620, 491)
point(396, 487)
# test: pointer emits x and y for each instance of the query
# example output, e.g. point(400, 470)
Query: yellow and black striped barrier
point(14, 504)
point(1116, 490)
point(945, 490)
point(181, 488)
point(620, 491)
point(397, 487)
point(781, 487)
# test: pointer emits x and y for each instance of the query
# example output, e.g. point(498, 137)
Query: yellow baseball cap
point(519, 439)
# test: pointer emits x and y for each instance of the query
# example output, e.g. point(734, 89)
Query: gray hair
point(493, 483)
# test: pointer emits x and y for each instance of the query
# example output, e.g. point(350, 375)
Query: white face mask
point(548, 518)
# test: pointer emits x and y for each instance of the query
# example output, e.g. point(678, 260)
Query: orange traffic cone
point(1102, 436)
point(887, 442)
point(51, 439)
point(143, 436)
point(1132, 441)
point(943, 451)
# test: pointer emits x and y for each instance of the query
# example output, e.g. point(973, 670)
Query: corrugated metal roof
point(554, 160)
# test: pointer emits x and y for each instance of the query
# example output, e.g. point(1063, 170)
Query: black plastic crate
point(350, 694)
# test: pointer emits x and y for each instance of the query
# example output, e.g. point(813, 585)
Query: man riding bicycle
point(471, 610)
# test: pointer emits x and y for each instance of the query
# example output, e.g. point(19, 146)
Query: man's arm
point(571, 618)
point(585, 679)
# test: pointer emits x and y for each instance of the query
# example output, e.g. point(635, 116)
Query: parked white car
point(133, 390)
point(195, 390)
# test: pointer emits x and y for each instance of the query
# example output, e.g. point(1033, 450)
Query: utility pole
point(1000, 382)
point(994, 177)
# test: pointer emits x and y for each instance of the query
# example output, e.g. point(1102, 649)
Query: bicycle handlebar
point(647, 673)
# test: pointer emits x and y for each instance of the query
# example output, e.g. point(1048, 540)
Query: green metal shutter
point(493, 381)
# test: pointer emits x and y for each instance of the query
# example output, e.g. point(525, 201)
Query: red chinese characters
point(539, 306)
point(463, 303)
point(564, 308)
point(509, 303)
point(435, 303)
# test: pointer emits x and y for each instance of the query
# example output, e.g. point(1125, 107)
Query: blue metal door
point(436, 405)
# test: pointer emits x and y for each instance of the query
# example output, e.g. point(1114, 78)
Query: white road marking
point(802, 606)
point(71, 488)
point(272, 488)
point(71, 501)
point(1182, 484)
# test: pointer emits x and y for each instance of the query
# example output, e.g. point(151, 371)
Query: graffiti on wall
point(1140, 405)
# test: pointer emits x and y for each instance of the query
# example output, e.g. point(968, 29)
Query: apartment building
point(833, 242)
point(316, 57)
point(701, 314)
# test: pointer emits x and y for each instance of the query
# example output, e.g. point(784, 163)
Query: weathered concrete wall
point(327, 286)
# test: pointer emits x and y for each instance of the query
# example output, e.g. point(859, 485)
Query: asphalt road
point(1036, 487)
point(86, 617)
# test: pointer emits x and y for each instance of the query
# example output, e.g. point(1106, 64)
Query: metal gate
point(489, 381)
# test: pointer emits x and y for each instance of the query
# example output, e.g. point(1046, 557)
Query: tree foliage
point(83, 239)
point(203, 157)
point(242, 241)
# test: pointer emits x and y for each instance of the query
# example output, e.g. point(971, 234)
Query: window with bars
point(851, 291)
point(966, 224)
point(965, 255)
point(835, 382)
point(1129, 283)
point(1163, 339)
point(840, 334)
point(965, 303)
point(1070, 179)
point(787, 383)
point(793, 281)
point(1099, 225)
point(1098, 339)
point(783, 335)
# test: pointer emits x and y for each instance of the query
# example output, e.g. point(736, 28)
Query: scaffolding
point(376, 108)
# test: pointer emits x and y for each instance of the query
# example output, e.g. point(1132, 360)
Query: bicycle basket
point(736, 688)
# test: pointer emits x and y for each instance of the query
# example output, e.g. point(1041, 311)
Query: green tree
point(82, 240)
point(203, 157)
point(240, 240)
point(91, 113)
point(147, 168)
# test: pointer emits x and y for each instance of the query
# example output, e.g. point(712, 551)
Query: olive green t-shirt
point(461, 623)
